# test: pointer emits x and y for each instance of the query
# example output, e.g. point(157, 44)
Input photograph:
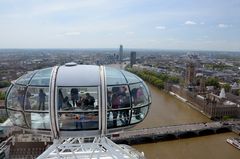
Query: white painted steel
point(100, 148)
point(52, 97)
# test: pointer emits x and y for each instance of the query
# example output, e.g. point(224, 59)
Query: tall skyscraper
point(133, 58)
point(121, 53)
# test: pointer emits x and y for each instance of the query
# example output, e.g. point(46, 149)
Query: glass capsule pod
point(77, 100)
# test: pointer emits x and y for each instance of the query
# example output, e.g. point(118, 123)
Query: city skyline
point(189, 25)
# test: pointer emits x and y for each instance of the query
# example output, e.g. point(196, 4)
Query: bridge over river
point(148, 135)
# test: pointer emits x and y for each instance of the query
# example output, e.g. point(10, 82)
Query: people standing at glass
point(115, 104)
point(20, 97)
point(60, 99)
point(66, 104)
point(109, 98)
point(138, 99)
point(41, 96)
point(124, 103)
point(27, 102)
point(138, 96)
point(74, 96)
point(89, 101)
point(109, 102)
point(134, 96)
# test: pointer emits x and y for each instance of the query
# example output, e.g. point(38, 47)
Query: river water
point(167, 110)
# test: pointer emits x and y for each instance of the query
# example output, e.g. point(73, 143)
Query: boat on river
point(234, 142)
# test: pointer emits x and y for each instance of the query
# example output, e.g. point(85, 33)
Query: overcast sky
point(161, 24)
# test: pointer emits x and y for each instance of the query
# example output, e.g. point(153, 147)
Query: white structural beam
point(100, 148)
point(103, 101)
point(52, 96)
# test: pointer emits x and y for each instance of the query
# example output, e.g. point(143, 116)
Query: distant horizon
point(133, 49)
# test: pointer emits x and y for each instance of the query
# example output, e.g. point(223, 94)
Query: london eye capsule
point(77, 100)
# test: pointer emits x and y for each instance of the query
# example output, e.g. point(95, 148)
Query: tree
point(4, 84)
point(227, 87)
point(212, 81)
point(2, 119)
point(155, 78)
point(2, 96)
point(227, 117)
point(174, 80)
point(159, 83)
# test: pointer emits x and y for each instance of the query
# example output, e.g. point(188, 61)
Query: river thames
point(167, 110)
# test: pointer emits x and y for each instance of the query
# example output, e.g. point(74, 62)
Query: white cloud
point(189, 22)
point(160, 27)
point(223, 25)
point(202, 23)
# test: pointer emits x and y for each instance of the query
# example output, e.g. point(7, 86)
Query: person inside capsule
point(74, 105)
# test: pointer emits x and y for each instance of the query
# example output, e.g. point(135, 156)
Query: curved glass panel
point(79, 75)
point(77, 98)
point(15, 98)
point(139, 114)
point(139, 94)
point(37, 98)
point(78, 108)
point(148, 91)
point(114, 76)
point(24, 80)
point(17, 118)
point(42, 77)
point(118, 99)
point(38, 120)
point(131, 78)
point(118, 118)
point(78, 121)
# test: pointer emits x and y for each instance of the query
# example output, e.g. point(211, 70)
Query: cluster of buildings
point(213, 102)
point(194, 70)
point(14, 63)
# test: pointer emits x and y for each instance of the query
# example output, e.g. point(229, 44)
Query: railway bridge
point(148, 135)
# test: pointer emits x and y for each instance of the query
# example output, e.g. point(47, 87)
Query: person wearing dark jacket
point(89, 101)
point(41, 97)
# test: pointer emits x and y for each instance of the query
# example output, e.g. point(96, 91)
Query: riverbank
point(209, 104)
point(189, 103)
point(235, 128)
point(158, 80)
point(167, 110)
